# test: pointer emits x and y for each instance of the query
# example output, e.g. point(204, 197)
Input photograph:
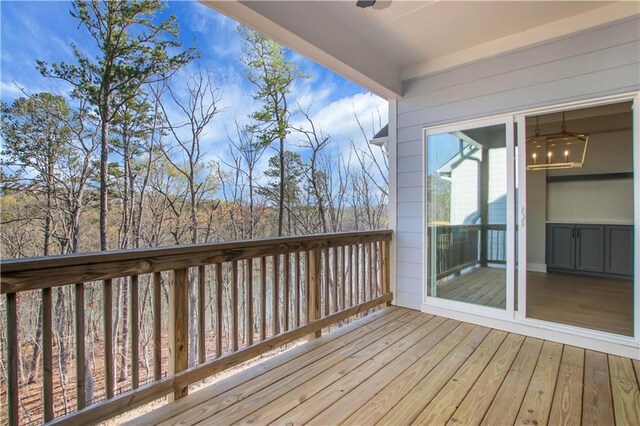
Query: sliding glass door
point(469, 173)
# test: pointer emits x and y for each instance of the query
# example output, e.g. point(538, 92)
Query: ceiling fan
point(376, 4)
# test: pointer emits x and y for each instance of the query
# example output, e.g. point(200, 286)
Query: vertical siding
point(597, 62)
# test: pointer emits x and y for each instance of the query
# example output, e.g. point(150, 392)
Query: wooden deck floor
point(400, 366)
point(482, 286)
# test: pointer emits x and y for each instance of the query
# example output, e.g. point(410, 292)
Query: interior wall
point(603, 201)
point(591, 201)
point(536, 220)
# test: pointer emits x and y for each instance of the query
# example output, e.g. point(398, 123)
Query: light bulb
point(566, 156)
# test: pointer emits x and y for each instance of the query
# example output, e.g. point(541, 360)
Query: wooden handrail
point(26, 274)
point(299, 285)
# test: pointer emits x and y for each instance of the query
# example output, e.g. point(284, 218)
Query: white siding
point(464, 192)
point(597, 62)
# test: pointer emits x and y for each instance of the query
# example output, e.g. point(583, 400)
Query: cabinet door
point(619, 250)
point(560, 246)
point(590, 248)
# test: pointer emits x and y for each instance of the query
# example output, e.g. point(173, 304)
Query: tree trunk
point(104, 173)
point(282, 182)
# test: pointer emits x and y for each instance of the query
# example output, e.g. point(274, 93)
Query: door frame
point(516, 320)
point(520, 120)
point(497, 313)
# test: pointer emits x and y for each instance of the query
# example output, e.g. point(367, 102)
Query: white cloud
point(10, 90)
point(338, 118)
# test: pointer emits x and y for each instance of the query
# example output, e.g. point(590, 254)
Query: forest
point(120, 162)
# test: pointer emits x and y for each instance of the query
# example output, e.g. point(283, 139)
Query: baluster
point(12, 354)
point(335, 279)
point(80, 346)
point(342, 277)
point(297, 289)
point(179, 325)
point(218, 269)
point(263, 298)
point(350, 275)
point(305, 283)
point(326, 280)
point(313, 288)
point(108, 337)
point(47, 355)
point(275, 311)
point(385, 266)
point(287, 267)
point(376, 270)
point(248, 316)
point(370, 269)
point(357, 268)
point(157, 325)
point(135, 341)
point(234, 306)
point(202, 347)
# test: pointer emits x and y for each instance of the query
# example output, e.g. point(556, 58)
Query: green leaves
point(132, 51)
point(272, 75)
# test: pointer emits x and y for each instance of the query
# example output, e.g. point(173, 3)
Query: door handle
point(523, 216)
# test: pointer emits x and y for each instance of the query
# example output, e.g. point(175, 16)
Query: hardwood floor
point(400, 366)
point(596, 303)
point(604, 304)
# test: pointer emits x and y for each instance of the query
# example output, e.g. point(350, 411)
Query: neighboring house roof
point(382, 133)
point(382, 137)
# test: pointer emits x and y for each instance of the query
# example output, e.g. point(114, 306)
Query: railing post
point(385, 267)
point(12, 352)
point(81, 396)
point(47, 354)
point(178, 325)
point(108, 337)
point(134, 334)
point(313, 289)
point(157, 325)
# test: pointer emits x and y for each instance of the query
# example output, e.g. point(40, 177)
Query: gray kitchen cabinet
point(560, 246)
point(619, 250)
point(589, 240)
point(590, 249)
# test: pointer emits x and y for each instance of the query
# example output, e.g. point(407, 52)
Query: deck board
point(596, 401)
point(474, 406)
point(228, 410)
point(506, 404)
point(331, 406)
point(444, 404)
point(303, 394)
point(273, 369)
point(537, 401)
point(400, 367)
point(567, 399)
point(624, 387)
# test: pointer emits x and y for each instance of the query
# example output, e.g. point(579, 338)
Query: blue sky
point(44, 30)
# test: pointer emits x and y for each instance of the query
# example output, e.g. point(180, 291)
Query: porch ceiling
point(397, 40)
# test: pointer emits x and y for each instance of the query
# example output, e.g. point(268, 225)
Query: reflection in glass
point(467, 215)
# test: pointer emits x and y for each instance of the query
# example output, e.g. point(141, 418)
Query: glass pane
point(467, 216)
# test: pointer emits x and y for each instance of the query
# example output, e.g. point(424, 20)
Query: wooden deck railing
point(461, 246)
point(290, 288)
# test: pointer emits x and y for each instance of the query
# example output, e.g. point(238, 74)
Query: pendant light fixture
point(562, 150)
